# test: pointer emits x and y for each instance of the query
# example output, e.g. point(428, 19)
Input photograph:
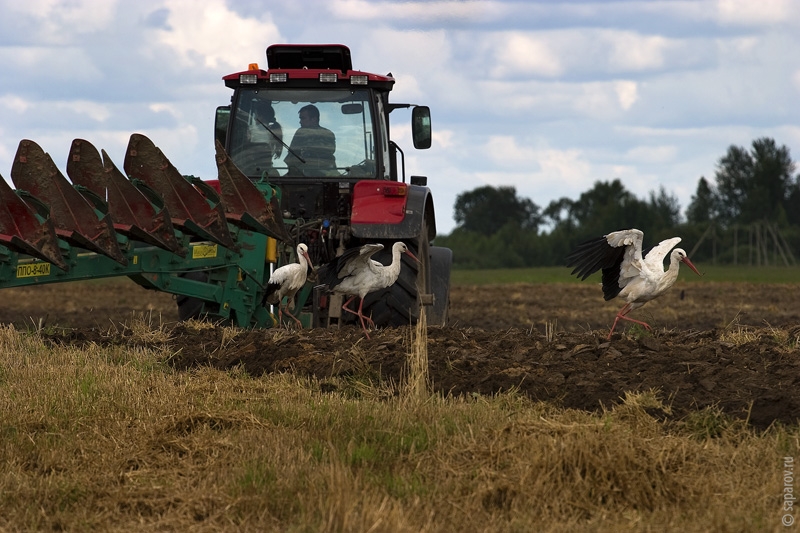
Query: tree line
point(749, 212)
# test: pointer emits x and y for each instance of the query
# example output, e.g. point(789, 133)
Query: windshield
point(303, 133)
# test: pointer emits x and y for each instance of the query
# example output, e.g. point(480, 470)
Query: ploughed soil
point(733, 347)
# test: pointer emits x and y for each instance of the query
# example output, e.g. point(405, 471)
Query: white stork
point(626, 273)
point(355, 273)
point(286, 281)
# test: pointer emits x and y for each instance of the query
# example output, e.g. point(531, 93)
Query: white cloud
point(170, 109)
point(521, 54)
point(50, 64)
point(93, 110)
point(652, 154)
point(634, 52)
point(15, 103)
point(58, 21)
point(566, 167)
point(441, 11)
point(627, 93)
point(210, 34)
point(586, 53)
point(443, 139)
point(603, 100)
point(420, 61)
point(755, 13)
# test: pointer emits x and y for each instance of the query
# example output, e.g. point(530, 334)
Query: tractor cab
point(311, 117)
point(314, 127)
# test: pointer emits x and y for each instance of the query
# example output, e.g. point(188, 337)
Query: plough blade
point(245, 206)
point(189, 209)
point(22, 231)
point(75, 219)
point(132, 213)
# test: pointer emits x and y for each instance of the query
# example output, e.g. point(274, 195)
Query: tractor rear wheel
point(399, 304)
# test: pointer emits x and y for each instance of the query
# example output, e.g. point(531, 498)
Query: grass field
point(110, 438)
point(562, 275)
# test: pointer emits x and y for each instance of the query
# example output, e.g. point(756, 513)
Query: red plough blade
point(245, 206)
point(133, 214)
point(21, 230)
point(189, 209)
point(75, 219)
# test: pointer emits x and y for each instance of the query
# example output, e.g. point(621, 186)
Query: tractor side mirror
point(421, 127)
point(221, 120)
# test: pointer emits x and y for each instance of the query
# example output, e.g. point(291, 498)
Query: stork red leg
point(293, 317)
point(359, 314)
point(622, 316)
point(345, 308)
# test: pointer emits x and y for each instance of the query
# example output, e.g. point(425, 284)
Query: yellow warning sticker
point(32, 270)
point(204, 251)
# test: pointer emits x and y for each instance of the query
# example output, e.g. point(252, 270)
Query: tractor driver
point(312, 147)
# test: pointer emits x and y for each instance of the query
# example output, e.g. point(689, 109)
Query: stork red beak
point(412, 256)
point(690, 265)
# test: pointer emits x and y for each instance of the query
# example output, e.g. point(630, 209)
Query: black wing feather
point(328, 274)
point(611, 286)
point(593, 255)
point(271, 289)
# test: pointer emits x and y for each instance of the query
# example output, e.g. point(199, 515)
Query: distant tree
point(755, 185)
point(487, 209)
point(703, 206)
point(557, 210)
point(664, 209)
point(606, 207)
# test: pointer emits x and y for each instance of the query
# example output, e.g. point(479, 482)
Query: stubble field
point(117, 418)
point(732, 347)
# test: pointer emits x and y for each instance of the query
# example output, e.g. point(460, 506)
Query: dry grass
point(112, 439)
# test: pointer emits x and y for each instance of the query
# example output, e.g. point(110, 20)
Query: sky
point(549, 97)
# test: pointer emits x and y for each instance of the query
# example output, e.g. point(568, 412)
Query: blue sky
point(546, 96)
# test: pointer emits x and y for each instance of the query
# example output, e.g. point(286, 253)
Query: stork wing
point(631, 264)
point(655, 256)
point(351, 261)
point(614, 251)
point(356, 259)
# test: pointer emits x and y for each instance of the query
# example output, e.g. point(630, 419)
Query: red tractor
point(319, 132)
